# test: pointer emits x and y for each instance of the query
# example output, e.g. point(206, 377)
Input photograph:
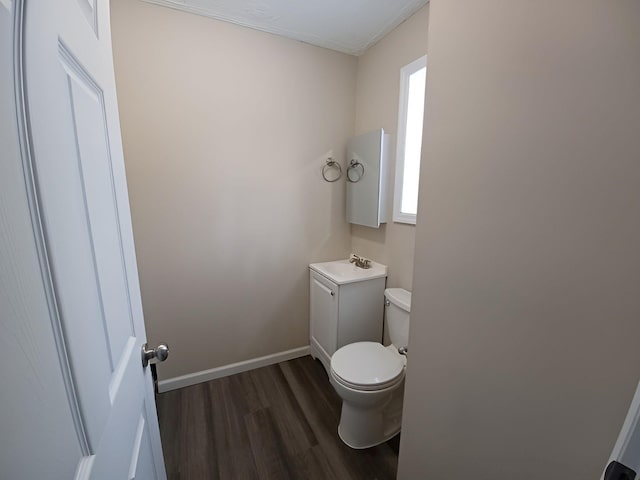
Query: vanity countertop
point(342, 272)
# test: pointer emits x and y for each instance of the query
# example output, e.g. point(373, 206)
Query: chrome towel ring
point(330, 165)
point(353, 167)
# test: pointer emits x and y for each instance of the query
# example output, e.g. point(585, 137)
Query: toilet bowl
point(369, 377)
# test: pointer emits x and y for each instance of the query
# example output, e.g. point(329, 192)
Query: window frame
point(405, 75)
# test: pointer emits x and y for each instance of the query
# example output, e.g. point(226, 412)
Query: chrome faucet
point(360, 261)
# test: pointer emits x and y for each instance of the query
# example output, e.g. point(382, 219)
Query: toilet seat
point(367, 366)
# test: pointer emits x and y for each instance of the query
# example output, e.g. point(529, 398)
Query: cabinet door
point(324, 312)
point(366, 179)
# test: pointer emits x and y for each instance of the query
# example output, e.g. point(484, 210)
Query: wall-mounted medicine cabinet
point(367, 160)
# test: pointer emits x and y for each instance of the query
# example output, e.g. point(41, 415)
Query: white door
point(73, 196)
point(624, 463)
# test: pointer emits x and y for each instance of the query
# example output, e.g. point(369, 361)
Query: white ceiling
point(349, 26)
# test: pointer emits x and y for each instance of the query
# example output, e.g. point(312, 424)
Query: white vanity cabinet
point(344, 308)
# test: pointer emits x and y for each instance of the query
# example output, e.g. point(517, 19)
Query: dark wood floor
point(277, 422)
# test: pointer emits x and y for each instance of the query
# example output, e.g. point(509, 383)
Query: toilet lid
point(367, 364)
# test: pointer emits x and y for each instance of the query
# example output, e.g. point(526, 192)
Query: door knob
point(160, 353)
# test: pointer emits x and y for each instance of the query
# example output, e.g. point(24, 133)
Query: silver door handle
point(160, 353)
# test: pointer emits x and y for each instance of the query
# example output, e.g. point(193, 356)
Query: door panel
point(141, 467)
point(90, 12)
point(91, 134)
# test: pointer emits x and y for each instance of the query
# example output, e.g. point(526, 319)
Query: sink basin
point(341, 271)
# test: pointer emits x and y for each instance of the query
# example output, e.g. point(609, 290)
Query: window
point(413, 78)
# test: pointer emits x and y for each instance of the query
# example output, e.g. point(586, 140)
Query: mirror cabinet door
point(366, 179)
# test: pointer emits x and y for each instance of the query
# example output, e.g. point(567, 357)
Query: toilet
point(369, 377)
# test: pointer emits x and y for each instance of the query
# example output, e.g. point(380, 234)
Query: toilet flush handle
point(403, 350)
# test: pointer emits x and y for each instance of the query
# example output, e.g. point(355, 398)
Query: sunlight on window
point(413, 80)
point(413, 141)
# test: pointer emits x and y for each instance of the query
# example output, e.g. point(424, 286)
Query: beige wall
point(526, 305)
point(225, 130)
point(377, 93)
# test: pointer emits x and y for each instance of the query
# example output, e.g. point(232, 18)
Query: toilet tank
point(397, 308)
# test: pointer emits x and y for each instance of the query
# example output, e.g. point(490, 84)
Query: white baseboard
point(231, 369)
